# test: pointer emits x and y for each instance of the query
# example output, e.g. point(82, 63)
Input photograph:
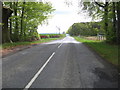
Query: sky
point(63, 17)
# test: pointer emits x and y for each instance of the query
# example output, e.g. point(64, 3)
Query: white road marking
point(64, 39)
point(60, 45)
point(38, 73)
point(24, 53)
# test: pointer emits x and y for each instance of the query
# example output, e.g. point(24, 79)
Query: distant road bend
point(62, 63)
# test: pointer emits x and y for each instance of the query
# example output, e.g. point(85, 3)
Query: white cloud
point(64, 17)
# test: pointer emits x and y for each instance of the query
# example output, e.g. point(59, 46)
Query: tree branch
point(103, 6)
point(99, 4)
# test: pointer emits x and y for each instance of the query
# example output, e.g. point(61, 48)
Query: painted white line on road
point(60, 45)
point(38, 73)
point(63, 39)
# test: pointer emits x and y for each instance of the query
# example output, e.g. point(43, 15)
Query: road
point(62, 63)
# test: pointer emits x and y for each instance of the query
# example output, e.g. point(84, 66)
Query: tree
point(85, 29)
point(109, 17)
point(16, 32)
point(0, 22)
point(118, 22)
point(10, 24)
point(6, 13)
point(22, 19)
point(25, 19)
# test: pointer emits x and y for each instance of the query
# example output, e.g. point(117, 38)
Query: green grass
point(10, 45)
point(107, 51)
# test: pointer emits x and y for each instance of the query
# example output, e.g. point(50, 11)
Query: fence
point(98, 37)
point(101, 37)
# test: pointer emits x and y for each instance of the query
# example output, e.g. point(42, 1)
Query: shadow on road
point(105, 78)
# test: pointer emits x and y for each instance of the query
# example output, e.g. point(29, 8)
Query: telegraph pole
point(58, 29)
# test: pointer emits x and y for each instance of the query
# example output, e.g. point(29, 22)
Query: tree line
point(109, 13)
point(21, 19)
point(85, 29)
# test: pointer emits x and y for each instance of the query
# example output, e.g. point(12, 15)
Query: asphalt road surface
point(62, 63)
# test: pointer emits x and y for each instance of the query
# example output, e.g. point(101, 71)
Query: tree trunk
point(16, 34)
point(114, 18)
point(11, 23)
point(106, 20)
point(6, 13)
point(113, 29)
point(21, 33)
point(0, 22)
point(118, 22)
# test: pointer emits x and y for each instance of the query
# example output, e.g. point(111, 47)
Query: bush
point(49, 36)
point(54, 36)
point(43, 36)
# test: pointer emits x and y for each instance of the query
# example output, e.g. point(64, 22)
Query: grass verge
point(107, 51)
point(10, 45)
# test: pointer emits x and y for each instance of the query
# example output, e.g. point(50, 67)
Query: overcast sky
point(63, 17)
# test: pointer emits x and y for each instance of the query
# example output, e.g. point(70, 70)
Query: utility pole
point(58, 29)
